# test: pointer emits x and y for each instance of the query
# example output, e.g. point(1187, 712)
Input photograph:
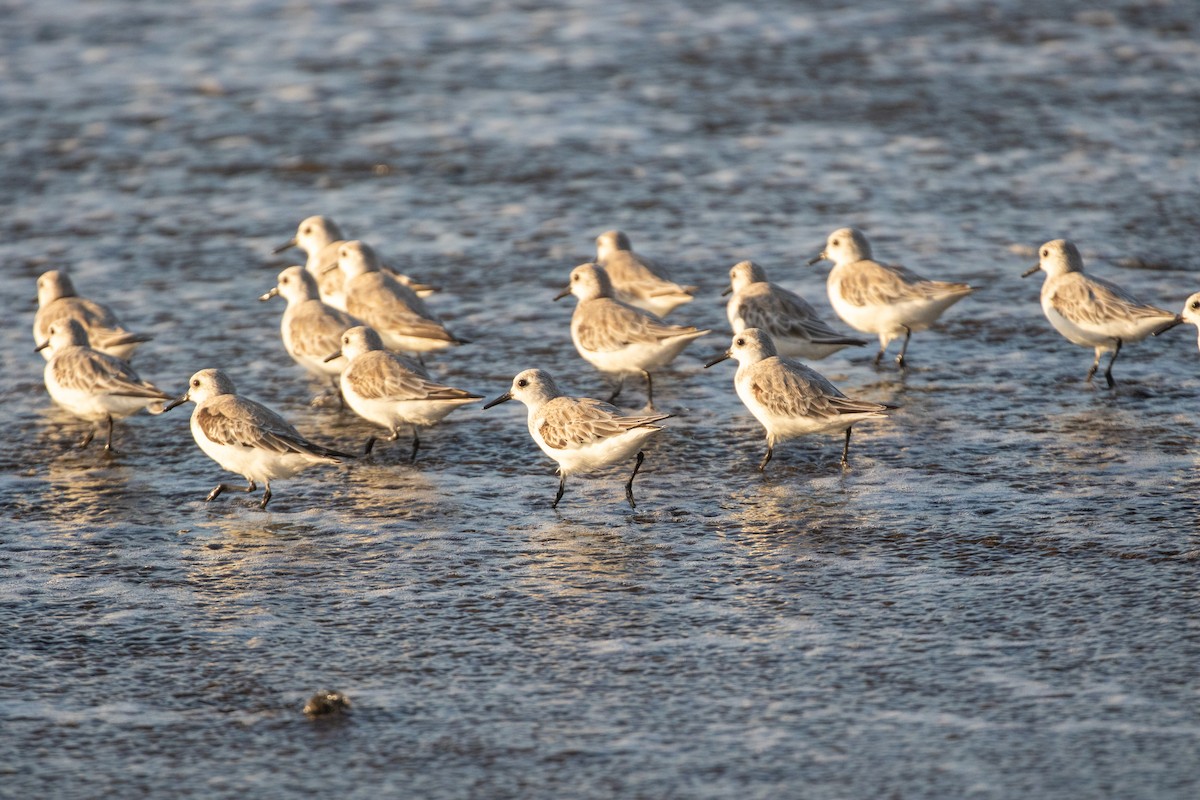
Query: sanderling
point(884, 299)
point(400, 318)
point(311, 329)
point(579, 433)
point(391, 390)
point(1090, 311)
point(1191, 314)
point(636, 280)
point(785, 315)
point(320, 237)
point(788, 398)
point(617, 338)
point(246, 437)
point(92, 385)
point(57, 301)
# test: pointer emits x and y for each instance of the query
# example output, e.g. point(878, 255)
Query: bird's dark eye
point(308, 229)
point(1195, 304)
point(1046, 253)
point(835, 242)
point(740, 342)
point(196, 383)
point(522, 383)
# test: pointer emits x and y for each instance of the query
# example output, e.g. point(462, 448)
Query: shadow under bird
point(789, 319)
point(92, 385)
point(392, 390)
point(246, 437)
point(579, 433)
point(617, 338)
point(637, 280)
point(884, 299)
point(788, 398)
point(57, 301)
point(320, 237)
point(389, 307)
point(310, 328)
point(1091, 311)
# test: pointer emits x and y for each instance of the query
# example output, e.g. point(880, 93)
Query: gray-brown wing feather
point(1094, 301)
point(783, 313)
point(378, 375)
point(790, 389)
point(375, 299)
point(102, 326)
point(237, 421)
point(604, 325)
point(872, 283)
point(572, 422)
point(316, 329)
point(84, 369)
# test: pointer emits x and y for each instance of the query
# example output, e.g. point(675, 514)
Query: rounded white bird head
point(313, 233)
point(748, 347)
point(205, 384)
point(358, 340)
point(845, 246)
point(610, 242)
point(294, 284)
point(1191, 310)
point(64, 333)
point(533, 387)
point(53, 285)
point(744, 273)
point(356, 258)
point(587, 282)
point(1058, 257)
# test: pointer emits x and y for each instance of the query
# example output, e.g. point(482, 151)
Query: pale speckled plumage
point(391, 390)
point(789, 319)
point(320, 237)
point(311, 329)
point(1090, 311)
point(58, 301)
point(788, 398)
point(635, 279)
point(246, 437)
point(581, 434)
point(886, 300)
point(393, 310)
point(91, 385)
point(617, 338)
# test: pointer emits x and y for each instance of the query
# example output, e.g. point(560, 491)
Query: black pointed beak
point(288, 245)
point(178, 401)
point(1031, 270)
point(818, 257)
point(728, 291)
point(718, 359)
point(1163, 329)
point(42, 346)
point(504, 398)
point(332, 356)
point(562, 294)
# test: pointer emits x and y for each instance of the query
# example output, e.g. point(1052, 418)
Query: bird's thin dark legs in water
point(846, 451)
point(562, 485)
point(266, 495)
point(108, 439)
point(225, 487)
point(369, 446)
point(395, 435)
point(1095, 366)
point(649, 390)
point(767, 458)
point(629, 486)
point(904, 348)
point(1108, 372)
point(879, 355)
point(416, 446)
point(617, 391)
point(87, 438)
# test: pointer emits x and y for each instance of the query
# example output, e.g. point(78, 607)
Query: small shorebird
point(788, 398)
point(246, 437)
point(637, 280)
point(1091, 311)
point(57, 300)
point(884, 299)
point(579, 433)
point(92, 385)
point(617, 338)
point(311, 329)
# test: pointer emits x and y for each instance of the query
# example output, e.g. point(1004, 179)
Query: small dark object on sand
point(325, 703)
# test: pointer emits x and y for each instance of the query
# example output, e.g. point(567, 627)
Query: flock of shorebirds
point(365, 328)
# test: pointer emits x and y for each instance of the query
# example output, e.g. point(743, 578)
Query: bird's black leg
point(108, 448)
point(225, 487)
point(649, 390)
point(629, 486)
point(767, 458)
point(1108, 372)
point(562, 485)
point(904, 348)
point(416, 446)
point(369, 446)
point(846, 451)
point(266, 494)
point(87, 438)
point(879, 355)
point(617, 391)
point(1092, 371)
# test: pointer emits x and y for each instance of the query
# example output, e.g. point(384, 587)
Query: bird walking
point(58, 301)
point(579, 433)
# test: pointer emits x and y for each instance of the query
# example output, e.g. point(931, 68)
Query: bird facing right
point(637, 280)
point(884, 299)
point(788, 398)
point(1091, 311)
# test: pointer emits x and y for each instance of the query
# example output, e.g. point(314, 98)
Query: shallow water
point(998, 600)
